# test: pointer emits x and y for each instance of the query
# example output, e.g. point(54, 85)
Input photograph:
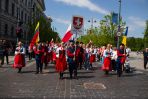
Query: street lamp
point(92, 21)
point(119, 27)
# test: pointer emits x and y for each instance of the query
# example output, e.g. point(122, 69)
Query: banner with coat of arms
point(77, 25)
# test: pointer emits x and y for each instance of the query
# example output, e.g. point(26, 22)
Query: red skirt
point(61, 64)
point(50, 58)
point(107, 64)
point(54, 56)
point(19, 61)
point(123, 60)
point(92, 58)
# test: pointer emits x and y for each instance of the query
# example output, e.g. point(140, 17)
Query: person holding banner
point(71, 60)
point(38, 56)
point(120, 59)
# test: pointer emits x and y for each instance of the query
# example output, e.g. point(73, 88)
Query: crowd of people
point(73, 56)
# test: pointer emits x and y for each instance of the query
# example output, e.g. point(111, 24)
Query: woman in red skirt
point(107, 61)
point(92, 56)
point(19, 59)
point(61, 64)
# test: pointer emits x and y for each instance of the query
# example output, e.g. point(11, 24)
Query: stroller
point(127, 67)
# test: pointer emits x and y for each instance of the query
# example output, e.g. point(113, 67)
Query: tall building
point(13, 12)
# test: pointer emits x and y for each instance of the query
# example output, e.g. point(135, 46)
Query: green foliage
point(46, 33)
point(103, 34)
point(146, 35)
point(135, 43)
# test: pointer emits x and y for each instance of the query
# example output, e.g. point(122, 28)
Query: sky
point(133, 12)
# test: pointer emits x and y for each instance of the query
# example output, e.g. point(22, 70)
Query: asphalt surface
point(92, 84)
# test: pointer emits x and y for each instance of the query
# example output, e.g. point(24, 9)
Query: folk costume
point(44, 58)
point(79, 56)
point(71, 62)
point(61, 64)
point(107, 61)
point(92, 56)
point(38, 58)
point(19, 59)
point(120, 60)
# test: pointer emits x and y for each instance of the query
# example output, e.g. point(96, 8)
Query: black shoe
point(37, 73)
point(71, 77)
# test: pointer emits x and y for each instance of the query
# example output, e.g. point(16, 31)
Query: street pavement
point(92, 84)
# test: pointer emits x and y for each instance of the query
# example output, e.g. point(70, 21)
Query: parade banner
point(126, 31)
point(124, 40)
point(114, 18)
point(36, 37)
point(77, 25)
point(67, 35)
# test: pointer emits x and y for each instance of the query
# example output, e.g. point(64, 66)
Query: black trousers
point(3, 58)
point(113, 64)
point(30, 55)
point(145, 63)
point(72, 69)
point(39, 66)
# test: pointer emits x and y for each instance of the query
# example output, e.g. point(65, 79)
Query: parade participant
point(38, 56)
point(44, 50)
point(71, 61)
point(120, 59)
point(145, 54)
point(87, 55)
point(101, 53)
point(6, 49)
point(61, 64)
point(19, 59)
point(77, 51)
point(107, 60)
point(79, 55)
point(92, 56)
point(30, 52)
point(114, 58)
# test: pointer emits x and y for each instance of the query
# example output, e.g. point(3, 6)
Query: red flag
point(67, 35)
point(35, 38)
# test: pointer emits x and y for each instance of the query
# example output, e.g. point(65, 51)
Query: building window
point(25, 18)
point(13, 9)
point(26, 2)
point(0, 4)
point(28, 19)
point(22, 16)
point(18, 13)
point(12, 31)
point(6, 29)
point(6, 5)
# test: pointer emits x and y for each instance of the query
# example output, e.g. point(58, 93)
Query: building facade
point(13, 12)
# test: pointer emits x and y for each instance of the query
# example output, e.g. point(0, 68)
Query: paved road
point(90, 84)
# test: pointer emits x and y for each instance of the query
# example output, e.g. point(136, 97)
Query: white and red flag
point(67, 35)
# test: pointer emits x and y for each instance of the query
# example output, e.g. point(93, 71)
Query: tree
point(46, 33)
point(135, 43)
point(146, 35)
point(103, 34)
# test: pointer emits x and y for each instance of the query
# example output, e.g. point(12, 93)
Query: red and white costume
point(19, 59)
point(61, 64)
